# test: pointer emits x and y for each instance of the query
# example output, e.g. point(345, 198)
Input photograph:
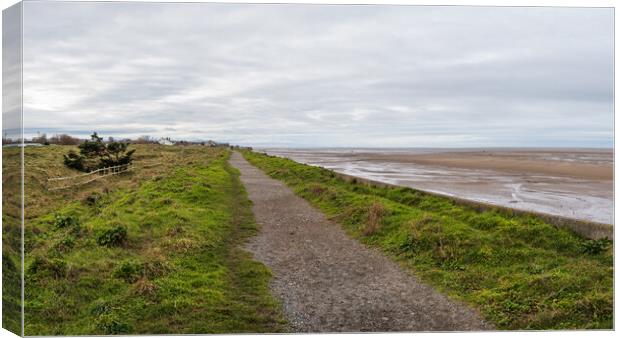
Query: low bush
point(65, 244)
point(112, 323)
point(115, 236)
point(596, 246)
point(129, 271)
point(45, 267)
point(64, 221)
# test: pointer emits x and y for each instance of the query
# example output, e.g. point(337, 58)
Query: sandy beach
point(576, 183)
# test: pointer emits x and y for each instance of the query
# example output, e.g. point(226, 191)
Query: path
point(328, 282)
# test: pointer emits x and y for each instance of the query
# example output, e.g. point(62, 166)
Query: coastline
point(567, 183)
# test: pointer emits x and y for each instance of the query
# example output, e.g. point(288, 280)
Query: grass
point(11, 240)
point(517, 270)
point(154, 251)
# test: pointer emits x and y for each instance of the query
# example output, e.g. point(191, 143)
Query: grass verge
point(520, 272)
point(161, 256)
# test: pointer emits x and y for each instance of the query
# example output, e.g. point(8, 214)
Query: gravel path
point(328, 282)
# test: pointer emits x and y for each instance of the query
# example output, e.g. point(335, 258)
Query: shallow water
point(584, 199)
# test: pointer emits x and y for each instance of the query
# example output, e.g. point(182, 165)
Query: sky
point(321, 75)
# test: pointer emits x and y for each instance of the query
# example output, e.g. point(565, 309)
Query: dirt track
point(328, 282)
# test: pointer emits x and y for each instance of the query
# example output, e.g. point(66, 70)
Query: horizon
point(344, 147)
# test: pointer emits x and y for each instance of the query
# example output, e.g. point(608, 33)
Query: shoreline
point(571, 184)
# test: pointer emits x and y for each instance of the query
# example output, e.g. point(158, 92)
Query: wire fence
point(57, 183)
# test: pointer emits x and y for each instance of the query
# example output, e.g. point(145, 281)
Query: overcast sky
point(315, 75)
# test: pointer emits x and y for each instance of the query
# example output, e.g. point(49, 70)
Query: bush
point(95, 154)
point(108, 318)
point(65, 244)
point(115, 236)
point(595, 246)
point(74, 161)
point(129, 271)
point(64, 221)
point(43, 267)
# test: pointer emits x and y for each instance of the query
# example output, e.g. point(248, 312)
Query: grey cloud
point(312, 75)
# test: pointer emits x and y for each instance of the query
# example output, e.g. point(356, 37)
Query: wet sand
point(575, 183)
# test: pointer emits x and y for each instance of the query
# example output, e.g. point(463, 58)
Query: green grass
point(518, 271)
point(11, 239)
point(156, 253)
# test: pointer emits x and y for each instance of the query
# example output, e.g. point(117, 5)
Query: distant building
point(166, 141)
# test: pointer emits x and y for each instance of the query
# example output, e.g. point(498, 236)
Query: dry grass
point(144, 287)
point(376, 212)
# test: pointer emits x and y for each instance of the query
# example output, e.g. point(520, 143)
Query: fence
point(71, 181)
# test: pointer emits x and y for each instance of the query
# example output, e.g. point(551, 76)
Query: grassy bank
point(154, 251)
point(520, 272)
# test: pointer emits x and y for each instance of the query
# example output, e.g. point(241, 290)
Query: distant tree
point(64, 139)
point(42, 139)
point(145, 139)
point(95, 154)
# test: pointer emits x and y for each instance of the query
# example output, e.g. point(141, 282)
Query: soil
point(329, 282)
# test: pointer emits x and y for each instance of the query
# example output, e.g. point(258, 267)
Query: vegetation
point(11, 239)
point(155, 250)
point(95, 154)
point(520, 272)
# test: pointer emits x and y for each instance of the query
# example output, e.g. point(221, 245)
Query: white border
point(521, 3)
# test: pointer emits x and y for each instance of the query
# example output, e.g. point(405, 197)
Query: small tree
point(95, 154)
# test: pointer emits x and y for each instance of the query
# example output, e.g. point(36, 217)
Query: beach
point(575, 183)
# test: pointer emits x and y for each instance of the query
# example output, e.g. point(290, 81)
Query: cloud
point(312, 75)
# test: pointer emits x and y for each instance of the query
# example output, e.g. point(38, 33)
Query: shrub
point(94, 154)
point(43, 267)
point(64, 221)
point(100, 307)
point(65, 244)
point(111, 323)
point(155, 267)
point(129, 271)
point(595, 246)
point(108, 318)
point(115, 236)
point(75, 161)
